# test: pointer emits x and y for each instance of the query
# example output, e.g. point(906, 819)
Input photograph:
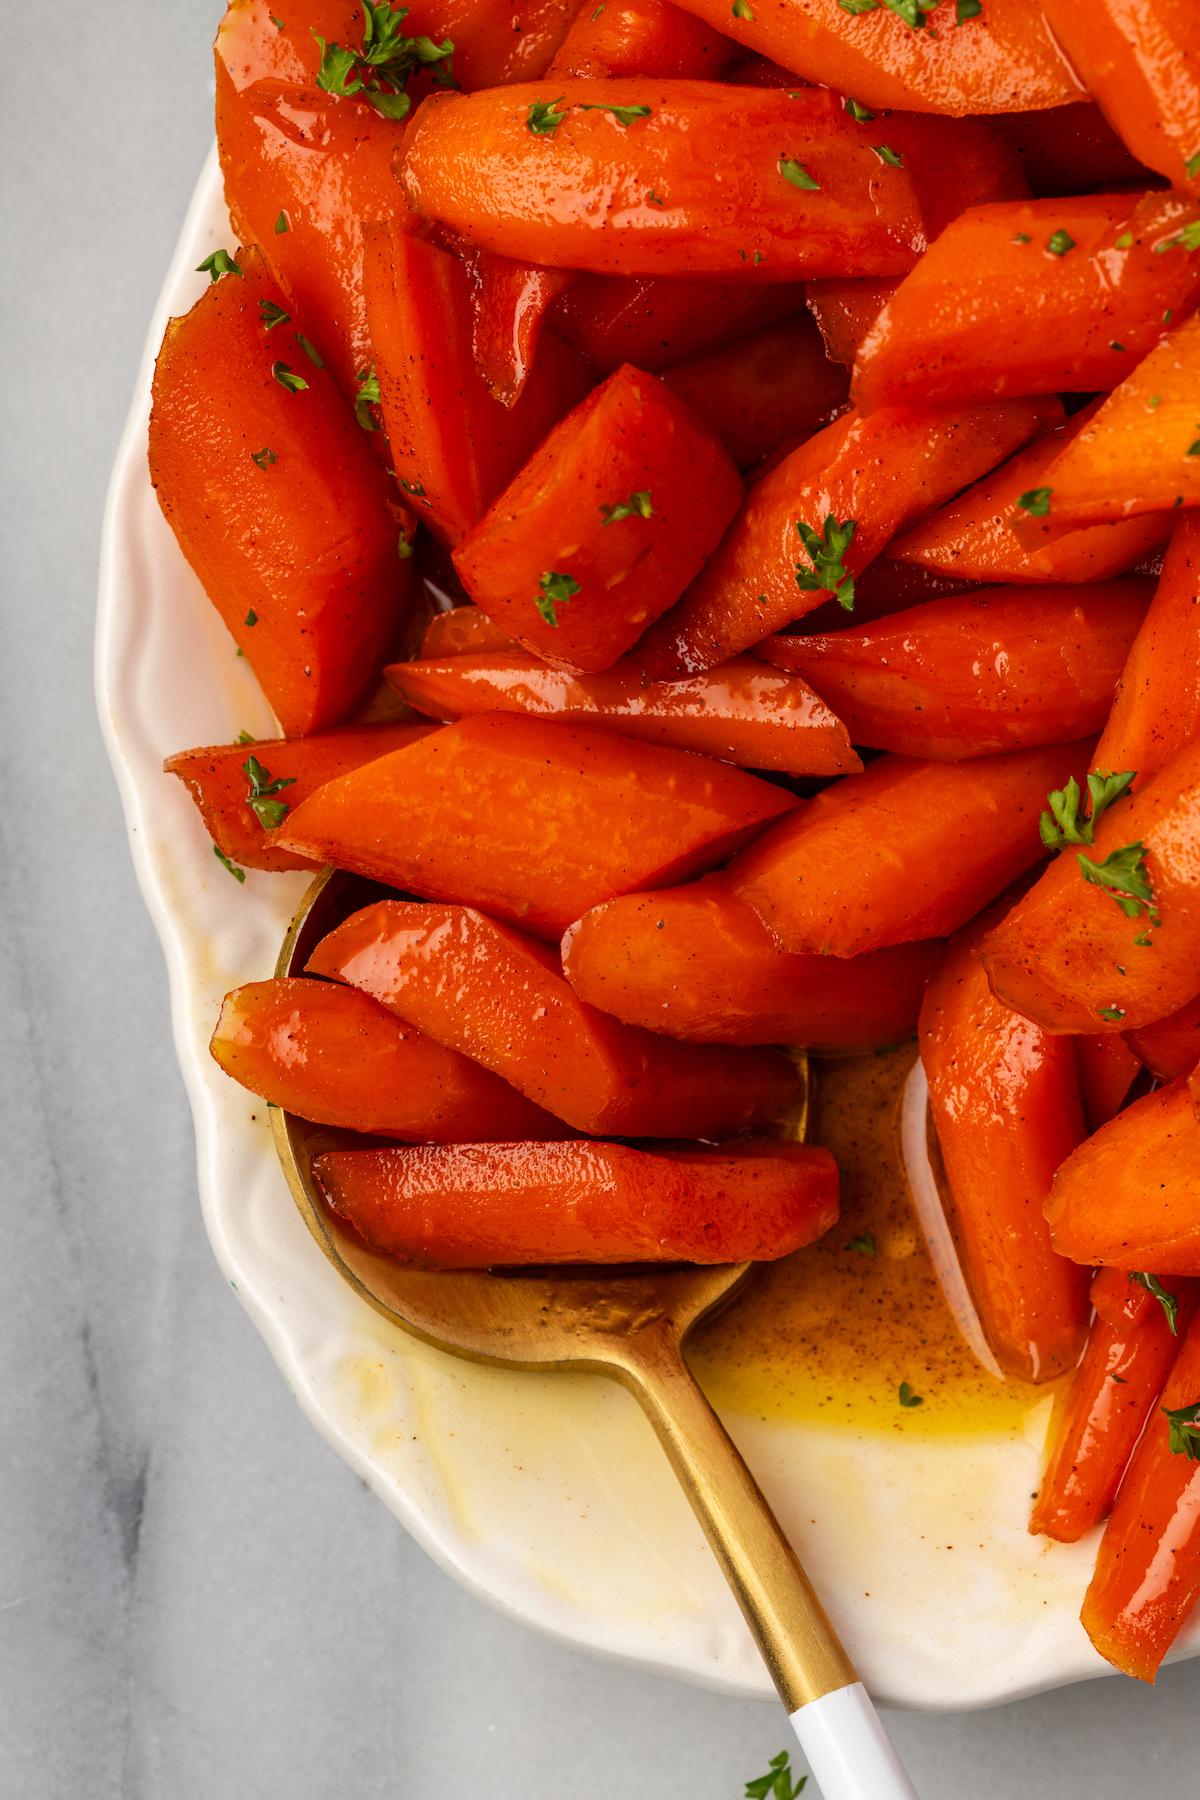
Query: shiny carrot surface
point(1157, 708)
point(1107, 1069)
point(655, 324)
point(1171, 1046)
point(642, 37)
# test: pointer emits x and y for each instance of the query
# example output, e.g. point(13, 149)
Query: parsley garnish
point(404, 548)
point(888, 155)
point(914, 16)
point(1114, 1014)
point(272, 315)
point(244, 737)
point(1113, 345)
point(1060, 242)
point(270, 813)
point(558, 587)
point(238, 874)
point(1154, 400)
point(855, 110)
point(598, 11)
point(1168, 1302)
point(826, 554)
point(741, 11)
point(797, 174)
point(654, 200)
point(252, 617)
point(1125, 241)
point(776, 1784)
point(1191, 167)
point(1184, 1435)
point(281, 224)
point(864, 1243)
point(542, 119)
point(624, 115)
point(263, 457)
point(285, 377)
point(908, 1398)
point(638, 503)
point(413, 488)
point(218, 264)
point(1022, 237)
point(387, 56)
point(1063, 825)
point(1194, 449)
point(967, 9)
point(859, 6)
point(1123, 872)
point(366, 397)
point(309, 350)
point(1035, 501)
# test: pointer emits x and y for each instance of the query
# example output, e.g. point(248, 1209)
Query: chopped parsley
point(1123, 873)
point(281, 224)
point(1194, 449)
point(404, 548)
point(1125, 241)
point(379, 71)
point(908, 1398)
point(287, 378)
point(864, 1243)
point(1035, 501)
point(653, 199)
point(557, 588)
point(829, 572)
point(1184, 1430)
point(367, 397)
point(1113, 345)
point(1060, 242)
point(1022, 237)
point(1114, 1014)
point(270, 813)
point(776, 1784)
point(1168, 1302)
point(855, 110)
point(272, 315)
point(542, 119)
point(414, 489)
point(797, 174)
point(638, 504)
point(277, 23)
point(252, 617)
point(263, 457)
point(1063, 824)
point(1191, 167)
point(914, 15)
point(309, 350)
point(740, 10)
point(888, 155)
point(218, 264)
point(598, 11)
point(238, 874)
point(624, 115)
point(244, 737)
point(967, 9)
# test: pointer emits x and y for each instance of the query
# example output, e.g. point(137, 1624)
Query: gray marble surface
point(197, 1598)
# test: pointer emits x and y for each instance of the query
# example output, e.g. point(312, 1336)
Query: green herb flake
point(404, 548)
point(557, 588)
point(1168, 316)
point(888, 155)
point(1194, 449)
point(309, 350)
point(1022, 237)
point(1060, 242)
point(1187, 239)
point(272, 315)
point(252, 617)
point(218, 264)
point(797, 174)
point(828, 573)
point(864, 1243)
point(1115, 346)
point(967, 9)
point(1063, 823)
point(1114, 1014)
point(367, 397)
point(624, 115)
point(379, 71)
point(277, 23)
point(270, 813)
point(854, 109)
point(263, 457)
point(654, 200)
point(908, 1398)
point(638, 504)
point(1123, 874)
point(598, 11)
point(740, 10)
point(1168, 1302)
point(859, 6)
point(281, 224)
point(776, 1784)
point(413, 489)
point(1123, 1379)
point(542, 119)
point(1035, 501)
point(1191, 167)
point(238, 874)
point(1184, 1430)
point(1125, 241)
point(1155, 400)
point(288, 378)
point(244, 737)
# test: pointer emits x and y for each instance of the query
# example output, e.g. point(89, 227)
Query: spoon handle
point(838, 1728)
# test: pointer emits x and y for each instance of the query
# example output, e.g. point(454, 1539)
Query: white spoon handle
point(848, 1751)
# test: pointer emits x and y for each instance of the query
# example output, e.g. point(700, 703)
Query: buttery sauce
point(831, 1332)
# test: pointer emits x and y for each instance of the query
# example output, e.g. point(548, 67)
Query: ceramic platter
point(547, 1496)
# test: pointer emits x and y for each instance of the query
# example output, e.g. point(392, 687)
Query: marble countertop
point(197, 1598)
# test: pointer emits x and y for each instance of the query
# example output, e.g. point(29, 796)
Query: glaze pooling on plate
point(546, 1496)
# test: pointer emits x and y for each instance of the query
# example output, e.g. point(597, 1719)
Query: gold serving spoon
point(628, 1324)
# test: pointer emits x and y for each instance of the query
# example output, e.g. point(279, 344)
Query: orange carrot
point(654, 324)
point(697, 963)
point(1171, 1046)
point(510, 303)
point(1157, 708)
point(846, 309)
point(457, 1207)
point(495, 41)
point(534, 821)
point(1069, 149)
point(1107, 1070)
point(1120, 1299)
point(642, 37)
point(467, 631)
point(498, 997)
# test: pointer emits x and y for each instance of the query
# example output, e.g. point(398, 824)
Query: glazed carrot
point(655, 324)
point(740, 713)
point(604, 526)
point(1119, 1299)
point(1171, 1046)
point(771, 384)
point(333, 1055)
point(221, 784)
point(462, 1208)
point(1141, 60)
point(467, 631)
point(974, 535)
point(510, 302)
point(1029, 297)
point(880, 473)
point(497, 996)
point(992, 63)
point(454, 446)
point(1069, 150)
point(884, 587)
point(1107, 1069)
point(1157, 708)
point(251, 47)
point(905, 850)
point(1000, 1160)
point(642, 37)
point(846, 310)
point(697, 963)
point(1147, 1575)
point(1130, 1195)
point(534, 821)
point(245, 427)
point(1112, 1395)
point(1074, 958)
point(760, 185)
point(1005, 669)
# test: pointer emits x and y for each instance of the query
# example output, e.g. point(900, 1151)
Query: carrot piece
point(510, 308)
point(1006, 669)
point(1000, 1160)
point(604, 526)
point(467, 631)
point(787, 185)
point(455, 446)
point(1171, 1046)
point(1029, 297)
point(1141, 60)
point(884, 587)
point(738, 713)
point(218, 780)
point(1115, 1388)
point(698, 964)
point(1119, 1300)
point(1070, 150)
point(1147, 1576)
point(846, 310)
point(245, 427)
point(534, 821)
point(252, 46)
point(333, 1055)
point(771, 384)
point(1157, 708)
point(974, 535)
point(1077, 955)
point(642, 37)
point(1137, 455)
point(496, 42)
point(462, 1208)
point(500, 998)
point(1130, 1195)
point(880, 473)
point(1107, 1069)
point(655, 324)
point(905, 850)
point(995, 63)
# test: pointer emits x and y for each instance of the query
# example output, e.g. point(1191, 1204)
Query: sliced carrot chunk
point(642, 37)
point(654, 324)
point(1108, 1068)
point(1157, 708)
point(1171, 1046)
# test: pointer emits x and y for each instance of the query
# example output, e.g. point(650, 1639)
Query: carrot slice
point(1147, 1575)
point(245, 427)
point(698, 964)
point(1000, 1161)
point(252, 46)
point(1113, 1393)
point(846, 310)
point(1107, 1070)
point(739, 712)
point(1070, 150)
point(462, 1208)
point(654, 324)
point(1030, 297)
point(870, 477)
point(604, 526)
point(1006, 669)
point(510, 308)
point(642, 37)
point(905, 850)
point(495, 41)
point(497, 996)
point(1119, 1299)
point(1157, 708)
point(467, 631)
point(222, 786)
point(1171, 1046)
point(534, 821)
point(1130, 1195)
point(333, 1055)
point(1074, 956)
point(771, 384)
point(974, 536)
point(885, 587)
